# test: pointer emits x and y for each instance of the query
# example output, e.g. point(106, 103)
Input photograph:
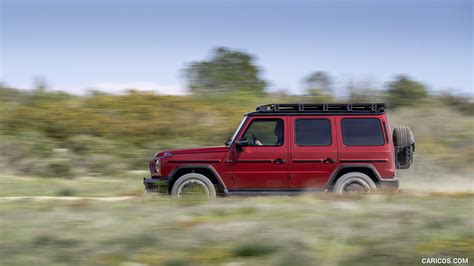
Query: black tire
point(404, 143)
point(195, 179)
point(363, 181)
point(403, 137)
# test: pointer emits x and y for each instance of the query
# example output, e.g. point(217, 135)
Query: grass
point(99, 186)
point(311, 230)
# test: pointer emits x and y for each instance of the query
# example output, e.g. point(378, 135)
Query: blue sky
point(111, 45)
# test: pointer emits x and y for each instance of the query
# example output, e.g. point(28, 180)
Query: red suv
point(289, 149)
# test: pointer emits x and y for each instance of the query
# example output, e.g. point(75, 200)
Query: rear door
point(364, 141)
point(263, 165)
point(313, 151)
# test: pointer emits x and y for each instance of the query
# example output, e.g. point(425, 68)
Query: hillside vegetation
point(53, 134)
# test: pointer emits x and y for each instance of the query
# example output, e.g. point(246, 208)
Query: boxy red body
point(288, 167)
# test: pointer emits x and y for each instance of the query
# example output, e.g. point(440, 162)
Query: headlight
point(159, 156)
point(158, 165)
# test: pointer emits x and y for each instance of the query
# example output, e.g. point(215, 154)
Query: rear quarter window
point(362, 132)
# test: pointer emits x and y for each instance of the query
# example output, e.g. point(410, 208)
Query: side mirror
point(243, 142)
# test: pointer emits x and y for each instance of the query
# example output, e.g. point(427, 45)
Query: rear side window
point(312, 132)
point(362, 132)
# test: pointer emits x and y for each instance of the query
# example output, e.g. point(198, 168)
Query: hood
point(195, 150)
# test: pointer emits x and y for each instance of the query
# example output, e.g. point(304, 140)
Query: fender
point(173, 177)
point(358, 165)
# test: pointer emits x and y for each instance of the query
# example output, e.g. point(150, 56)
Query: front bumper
point(389, 184)
point(156, 185)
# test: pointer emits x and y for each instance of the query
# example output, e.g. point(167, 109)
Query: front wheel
point(354, 183)
point(193, 185)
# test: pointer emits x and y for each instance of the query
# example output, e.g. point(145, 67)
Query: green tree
point(40, 84)
point(227, 71)
point(320, 81)
point(319, 86)
point(364, 91)
point(404, 91)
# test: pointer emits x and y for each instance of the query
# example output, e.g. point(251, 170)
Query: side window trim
point(330, 132)
point(387, 141)
point(266, 119)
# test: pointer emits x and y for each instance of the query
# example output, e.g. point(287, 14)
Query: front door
point(313, 151)
point(263, 164)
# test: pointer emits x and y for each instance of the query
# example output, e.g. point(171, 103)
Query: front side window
point(265, 132)
point(362, 132)
point(313, 132)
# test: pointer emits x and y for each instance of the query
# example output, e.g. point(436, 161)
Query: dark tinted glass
point(265, 133)
point(312, 132)
point(362, 132)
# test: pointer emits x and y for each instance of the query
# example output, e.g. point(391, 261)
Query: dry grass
point(374, 229)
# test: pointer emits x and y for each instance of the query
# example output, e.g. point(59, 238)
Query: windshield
point(237, 130)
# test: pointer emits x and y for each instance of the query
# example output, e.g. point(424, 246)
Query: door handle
point(329, 160)
point(279, 160)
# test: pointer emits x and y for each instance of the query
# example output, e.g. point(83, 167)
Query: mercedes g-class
point(289, 149)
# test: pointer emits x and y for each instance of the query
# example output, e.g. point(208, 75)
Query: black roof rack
point(323, 108)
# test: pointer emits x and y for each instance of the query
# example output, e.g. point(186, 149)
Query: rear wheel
point(193, 185)
point(354, 183)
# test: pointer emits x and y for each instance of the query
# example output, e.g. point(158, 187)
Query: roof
point(323, 108)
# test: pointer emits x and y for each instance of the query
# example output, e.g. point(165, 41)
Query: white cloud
point(121, 87)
